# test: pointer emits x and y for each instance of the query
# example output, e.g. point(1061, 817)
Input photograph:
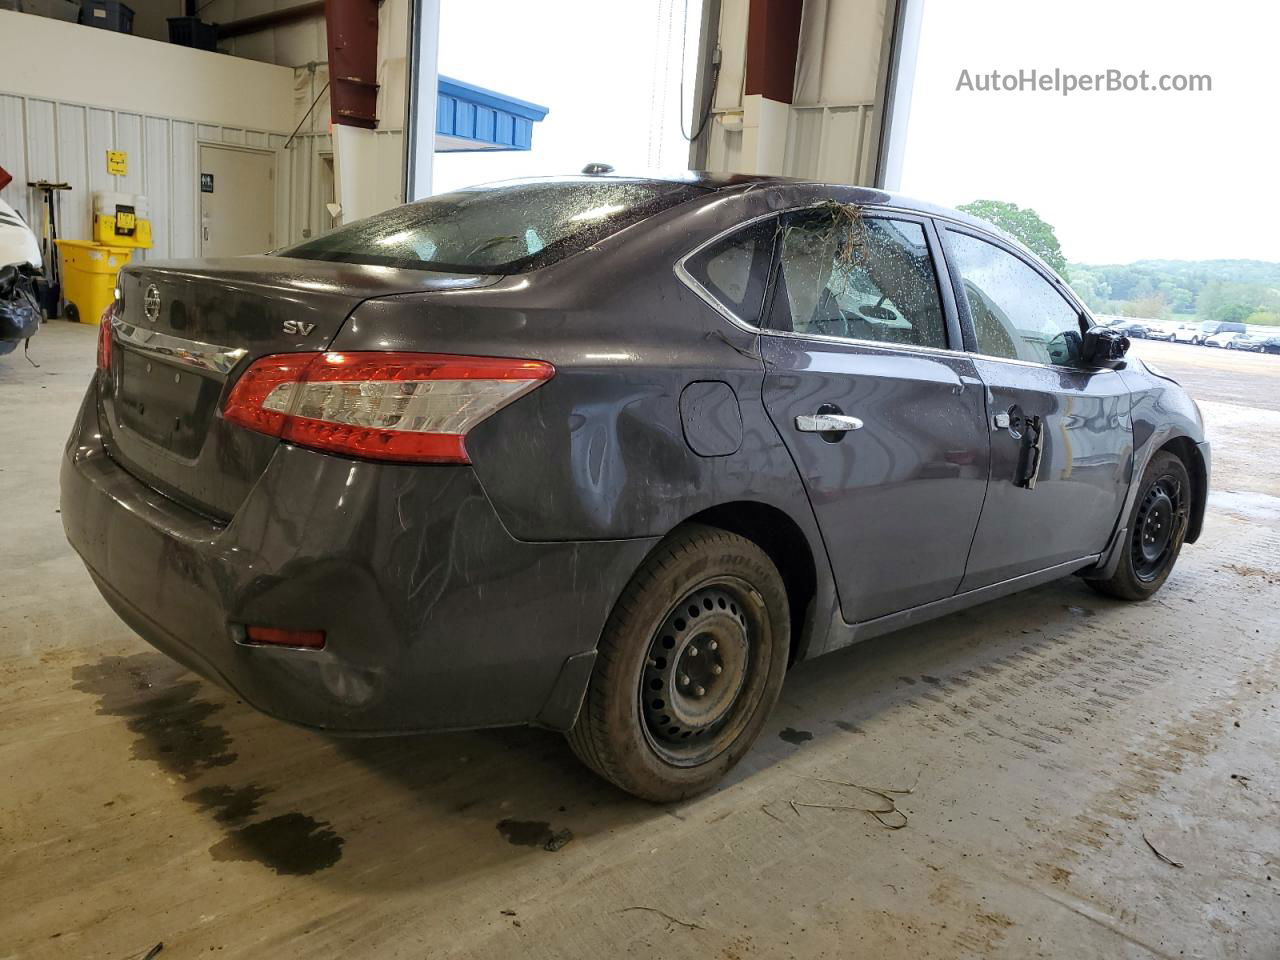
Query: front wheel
point(1157, 527)
point(690, 664)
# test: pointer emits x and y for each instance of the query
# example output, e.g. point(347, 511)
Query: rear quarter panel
point(600, 451)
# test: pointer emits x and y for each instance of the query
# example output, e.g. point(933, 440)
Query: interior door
point(1061, 436)
point(885, 423)
point(237, 201)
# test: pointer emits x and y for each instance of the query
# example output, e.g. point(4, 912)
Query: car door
point(884, 419)
point(1061, 436)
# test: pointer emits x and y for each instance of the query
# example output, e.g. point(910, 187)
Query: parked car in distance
point(608, 455)
point(1185, 333)
point(1155, 332)
point(1223, 339)
point(1269, 344)
point(1134, 329)
point(1256, 342)
point(1211, 328)
point(1244, 341)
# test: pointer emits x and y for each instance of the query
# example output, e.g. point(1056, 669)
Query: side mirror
point(1104, 347)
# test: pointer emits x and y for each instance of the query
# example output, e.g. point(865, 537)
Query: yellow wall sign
point(117, 163)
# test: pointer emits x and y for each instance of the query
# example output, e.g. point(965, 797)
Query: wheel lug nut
point(693, 651)
point(699, 690)
point(717, 669)
point(713, 645)
point(684, 679)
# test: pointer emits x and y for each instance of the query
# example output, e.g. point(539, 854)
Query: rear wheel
point(1157, 527)
point(689, 666)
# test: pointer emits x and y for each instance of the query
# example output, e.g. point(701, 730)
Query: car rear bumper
point(435, 617)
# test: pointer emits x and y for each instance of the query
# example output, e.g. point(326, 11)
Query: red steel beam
point(773, 39)
point(352, 27)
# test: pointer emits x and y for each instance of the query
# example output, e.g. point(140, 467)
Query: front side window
point(735, 269)
point(498, 228)
point(843, 274)
point(1017, 314)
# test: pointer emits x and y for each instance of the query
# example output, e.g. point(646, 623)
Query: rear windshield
point(507, 227)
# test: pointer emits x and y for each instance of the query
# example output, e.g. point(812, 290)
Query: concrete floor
point(1047, 738)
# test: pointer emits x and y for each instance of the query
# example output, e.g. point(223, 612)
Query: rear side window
point(1017, 314)
point(735, 269)
point(498, 228)
point(843, 274)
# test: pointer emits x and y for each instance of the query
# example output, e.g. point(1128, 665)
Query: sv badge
point(297, 326)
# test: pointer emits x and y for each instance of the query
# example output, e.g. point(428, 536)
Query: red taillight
point(414, 407)
point(274, 636)
point(104, 337)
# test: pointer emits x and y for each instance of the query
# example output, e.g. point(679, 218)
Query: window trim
point(686, 275)
point(692, 282)
point(937, 255)
point(969, 331)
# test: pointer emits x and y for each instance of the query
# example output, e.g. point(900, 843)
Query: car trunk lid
point(186, 331)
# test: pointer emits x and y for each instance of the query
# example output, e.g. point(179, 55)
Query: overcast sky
point(1122, 176)
point(608, 70)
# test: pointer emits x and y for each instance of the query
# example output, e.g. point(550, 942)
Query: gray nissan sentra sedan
point(607, 455)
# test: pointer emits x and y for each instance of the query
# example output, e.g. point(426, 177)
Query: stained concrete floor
point(1049, 741)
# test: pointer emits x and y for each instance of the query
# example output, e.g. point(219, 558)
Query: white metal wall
point(68, 142)
point(828, 128)
point(831, 143)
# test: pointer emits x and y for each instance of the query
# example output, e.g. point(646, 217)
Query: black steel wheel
point(688, 668)
point(699, 664)
point(1160, 520)
point(1157, 526)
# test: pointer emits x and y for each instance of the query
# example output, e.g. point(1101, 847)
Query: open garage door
point(817, 89)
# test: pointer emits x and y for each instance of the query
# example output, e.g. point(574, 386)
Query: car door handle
point(827, 423)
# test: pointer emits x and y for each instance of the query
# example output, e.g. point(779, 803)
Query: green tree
point(1147, 308)
point(1025, 224)
point(1221, 300)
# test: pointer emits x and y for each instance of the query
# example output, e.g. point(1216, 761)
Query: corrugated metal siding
point(831, 143)
point(44, 140)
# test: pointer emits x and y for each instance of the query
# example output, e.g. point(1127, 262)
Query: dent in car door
point(897, 493)
point(1061, 439)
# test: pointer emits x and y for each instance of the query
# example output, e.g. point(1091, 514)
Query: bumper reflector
point(274, 636)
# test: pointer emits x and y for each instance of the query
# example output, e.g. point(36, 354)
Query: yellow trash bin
point(89, 277)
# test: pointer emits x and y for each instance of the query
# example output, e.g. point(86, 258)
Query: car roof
point(719, 182)
point(722, 181)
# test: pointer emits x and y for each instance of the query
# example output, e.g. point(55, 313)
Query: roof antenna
point(597, 168)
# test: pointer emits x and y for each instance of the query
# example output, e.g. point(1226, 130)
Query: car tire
point(1156, 529)
point(689, 666)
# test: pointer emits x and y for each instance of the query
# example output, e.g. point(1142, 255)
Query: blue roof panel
point(490, 120)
